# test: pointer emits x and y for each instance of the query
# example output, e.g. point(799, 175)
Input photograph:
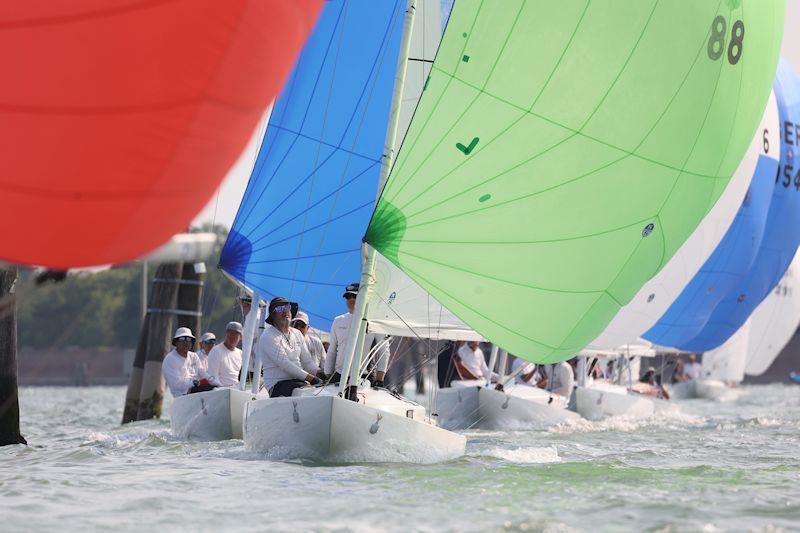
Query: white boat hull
point(596, 403)
point(515, 408)
point(712, 389)
point(210, 416)
point(327, 428)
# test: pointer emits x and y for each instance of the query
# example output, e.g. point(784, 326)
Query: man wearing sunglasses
point(339, 332)
point(283, 352)
point(182, 369)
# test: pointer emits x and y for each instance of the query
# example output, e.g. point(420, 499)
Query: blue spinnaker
point(782, 230)
point(725, 268)
point(298, 230)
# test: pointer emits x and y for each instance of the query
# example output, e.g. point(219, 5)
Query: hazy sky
point(223, 205)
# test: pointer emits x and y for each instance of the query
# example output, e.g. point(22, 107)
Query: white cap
point(183, 332)
point(234, 326)
point(302, 317)
point(207, 337)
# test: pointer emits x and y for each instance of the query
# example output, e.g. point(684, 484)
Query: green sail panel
point(563, 151)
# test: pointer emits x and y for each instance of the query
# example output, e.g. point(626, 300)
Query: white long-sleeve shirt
point(340, 329)
point(180, 372)
point(316, 349)
point(225, 364)
point(284, 356)
point(693, 370)
point(202, 355)
point(560, 378)
point(474, 361)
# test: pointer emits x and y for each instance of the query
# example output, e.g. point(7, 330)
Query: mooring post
point(9, 392)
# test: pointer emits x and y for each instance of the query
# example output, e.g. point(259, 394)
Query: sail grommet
point(648, 229)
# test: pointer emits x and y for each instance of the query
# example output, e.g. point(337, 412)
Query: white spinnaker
point(400, 306)
point(774, 321)
point(652, 301)
point(727, 362)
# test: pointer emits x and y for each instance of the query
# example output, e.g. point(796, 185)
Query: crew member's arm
point(308, 362)
point(333, 348)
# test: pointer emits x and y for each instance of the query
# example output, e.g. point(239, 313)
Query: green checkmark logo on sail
point(468, 149)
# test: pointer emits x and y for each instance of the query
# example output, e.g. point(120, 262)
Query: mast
point(251, 322)
point(355, 339)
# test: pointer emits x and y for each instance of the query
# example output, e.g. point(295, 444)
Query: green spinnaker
point(564, 150)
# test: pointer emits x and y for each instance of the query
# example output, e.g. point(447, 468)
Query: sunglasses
point(188, 339)
point(282, 308)
point(349, 296)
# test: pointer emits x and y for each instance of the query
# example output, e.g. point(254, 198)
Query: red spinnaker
point(119, 118)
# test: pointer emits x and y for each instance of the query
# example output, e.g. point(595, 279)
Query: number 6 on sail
point(607, 132)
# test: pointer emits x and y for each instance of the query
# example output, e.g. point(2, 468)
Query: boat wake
point(665, 419)
point(523, 455)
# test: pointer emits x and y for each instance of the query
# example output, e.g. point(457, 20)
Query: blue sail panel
point(727, 266)
point(782, 230)
point(298, 230)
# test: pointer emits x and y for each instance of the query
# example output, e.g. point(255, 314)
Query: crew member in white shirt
point(471, 363)
point(558, 378)
point(526, 372)
point(301, 323)
point(225, 360)
point(283, 352)
point(692, 369)
point(182, 368)
point(334, 360)
point(207, 342)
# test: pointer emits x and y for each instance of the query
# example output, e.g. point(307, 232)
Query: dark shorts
point(285, 387)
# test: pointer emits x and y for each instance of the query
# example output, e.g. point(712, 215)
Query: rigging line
point(435, 105)
point(395, 19)
point(411, 119)
point(324, 143)
point(493, 278)
point(299, 258)
point(317, 226)
point(305, 115)
point(309, 194)
point(281, 225)
point(462, 304)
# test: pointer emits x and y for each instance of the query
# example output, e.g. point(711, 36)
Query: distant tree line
point(103, 309)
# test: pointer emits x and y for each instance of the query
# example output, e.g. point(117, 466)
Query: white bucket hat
point(182, 332)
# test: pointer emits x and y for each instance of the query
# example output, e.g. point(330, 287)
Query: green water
point(717, 466)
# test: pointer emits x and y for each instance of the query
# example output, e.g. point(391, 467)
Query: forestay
point(562, 152)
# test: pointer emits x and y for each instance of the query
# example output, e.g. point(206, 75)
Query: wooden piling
point(9, 398)
point(145, 386)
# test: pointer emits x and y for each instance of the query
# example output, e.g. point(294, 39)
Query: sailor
point(679, 373)
point(225, 360)
point(182, 368)
point(300, 323)
point(471, 363)
point(526, 373)
point(283, 352)
point(692, 369)
point(334, 360)
point(558, 378)
point(207, 342)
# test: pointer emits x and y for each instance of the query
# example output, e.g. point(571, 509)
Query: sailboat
point(297, 232)
point(738, 244)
